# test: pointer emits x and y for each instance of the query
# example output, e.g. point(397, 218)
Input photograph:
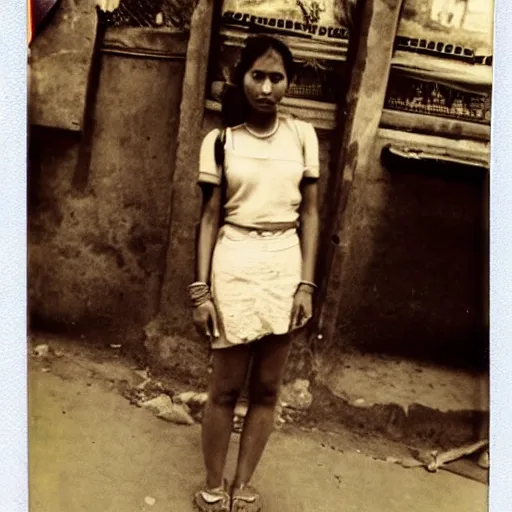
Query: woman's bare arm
point(208, 229)
point(309, 222)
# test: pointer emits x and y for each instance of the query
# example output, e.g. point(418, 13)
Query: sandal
point(245, 499)
point(213, 500)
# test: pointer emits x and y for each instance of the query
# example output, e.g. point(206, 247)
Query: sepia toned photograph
point(258, 255)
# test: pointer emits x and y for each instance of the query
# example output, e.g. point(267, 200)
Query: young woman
point(260, 271)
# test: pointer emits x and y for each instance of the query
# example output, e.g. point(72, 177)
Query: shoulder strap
point(219, 148)
point(220, 157)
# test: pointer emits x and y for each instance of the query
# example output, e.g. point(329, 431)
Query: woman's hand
point(205, 319)
point(302, 309)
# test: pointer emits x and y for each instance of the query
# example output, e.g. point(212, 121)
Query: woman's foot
point(213, 500)
point(245, 498)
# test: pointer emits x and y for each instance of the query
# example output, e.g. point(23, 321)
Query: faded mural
point(443, 60)
point(467, 23)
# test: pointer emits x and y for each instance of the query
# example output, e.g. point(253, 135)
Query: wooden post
point(185, 200)
point(375, 29)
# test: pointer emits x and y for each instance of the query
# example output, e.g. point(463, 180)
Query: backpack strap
point(219, 149)
point(220, 160)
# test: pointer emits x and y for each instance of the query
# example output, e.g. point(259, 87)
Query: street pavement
point(93, 451)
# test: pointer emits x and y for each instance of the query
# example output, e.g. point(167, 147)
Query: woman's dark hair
point(234, 104)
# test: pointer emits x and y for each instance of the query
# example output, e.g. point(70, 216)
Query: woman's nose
point(267, 86)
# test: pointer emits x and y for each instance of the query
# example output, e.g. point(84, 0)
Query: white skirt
point(254, 279)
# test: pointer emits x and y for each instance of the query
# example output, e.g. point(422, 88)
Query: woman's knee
point(225, 397)
point(264, 393)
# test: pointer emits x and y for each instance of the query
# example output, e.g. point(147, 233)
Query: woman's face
point(265, 83)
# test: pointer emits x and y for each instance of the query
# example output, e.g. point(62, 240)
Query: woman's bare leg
point(227, 381)
point(269, 360)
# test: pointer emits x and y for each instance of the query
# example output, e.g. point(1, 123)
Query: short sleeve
point(208, 169)
point(311, 151)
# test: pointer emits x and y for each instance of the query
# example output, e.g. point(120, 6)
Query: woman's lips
point(265, 103)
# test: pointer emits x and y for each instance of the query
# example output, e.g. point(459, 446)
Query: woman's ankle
point(239, 483)
point(215, 482)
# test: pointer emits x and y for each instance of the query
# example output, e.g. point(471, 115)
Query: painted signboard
point(305, 18)
point(416, 94)
point(442, 64)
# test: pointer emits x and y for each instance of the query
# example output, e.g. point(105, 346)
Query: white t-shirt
point(263, 175)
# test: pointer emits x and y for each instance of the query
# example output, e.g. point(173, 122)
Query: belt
point(255, 232)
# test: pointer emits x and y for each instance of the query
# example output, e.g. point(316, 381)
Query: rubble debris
point(150, 394)
point(166, 409)
point(146, 379)
point(200, 399)
point(239, 414)
point(138, 395)
point(433, 460)
point(158, 404)
point(149, 500)
point(185, 397)
point(241, 409)
point(296, 395)
point(42, 350)
point(178, 414)
point(237, 424)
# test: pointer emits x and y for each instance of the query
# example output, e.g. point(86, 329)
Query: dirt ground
point(92, 450)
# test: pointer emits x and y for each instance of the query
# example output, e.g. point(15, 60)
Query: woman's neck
point(261, 122)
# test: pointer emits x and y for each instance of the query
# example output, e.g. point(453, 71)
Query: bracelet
point(199, 293)
point(197, 284)
point(307, 286)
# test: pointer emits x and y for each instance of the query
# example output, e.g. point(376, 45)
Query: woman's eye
point(259, 76)
point(275, 78)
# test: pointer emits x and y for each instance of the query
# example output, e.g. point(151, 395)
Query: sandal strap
point(212, 497)
point(213, 500)
point(246, 495)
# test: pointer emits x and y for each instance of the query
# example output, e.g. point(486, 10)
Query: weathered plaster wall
point(414, 280)
point(61, 57)
point(407, 267)
point(97, 257)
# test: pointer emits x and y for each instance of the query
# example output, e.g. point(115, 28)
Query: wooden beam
point(432, 125)
point(185, 198)
point(375, 30)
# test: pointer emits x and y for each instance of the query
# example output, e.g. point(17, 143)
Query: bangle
point(311, 287)
point(197, 284)
point(199, 293)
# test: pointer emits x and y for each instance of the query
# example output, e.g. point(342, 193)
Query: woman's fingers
point(215, 323)
point(205, 319)
point(294, 320)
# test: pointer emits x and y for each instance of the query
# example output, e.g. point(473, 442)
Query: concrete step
point(416, 402)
